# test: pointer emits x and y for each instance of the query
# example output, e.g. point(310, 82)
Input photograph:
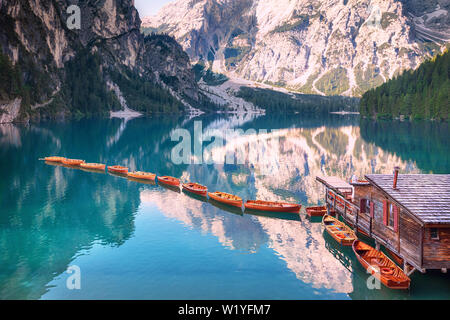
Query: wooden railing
point(344, 207)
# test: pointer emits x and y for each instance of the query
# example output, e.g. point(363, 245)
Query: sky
point(149, 7)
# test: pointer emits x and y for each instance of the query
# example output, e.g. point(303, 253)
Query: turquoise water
point(142, 241)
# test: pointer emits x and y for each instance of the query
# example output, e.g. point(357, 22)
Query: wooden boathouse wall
point(419, 230)
point(436, 252)
point(406, 241)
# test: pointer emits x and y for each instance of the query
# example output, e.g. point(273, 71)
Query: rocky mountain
point(65, 57)
point(331, 47)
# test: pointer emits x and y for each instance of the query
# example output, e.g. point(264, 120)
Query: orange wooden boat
point(316, 211)
point(142, 175)
point(54, 159)
point(72, 162)
point(93, 166)
point(171, 181)
point(261, 205)
point(226, 198)
point(380, 266)
point(338, 230)
point(118, 169)
point(195, 188)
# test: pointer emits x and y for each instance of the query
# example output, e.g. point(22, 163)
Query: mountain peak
point(323, 47)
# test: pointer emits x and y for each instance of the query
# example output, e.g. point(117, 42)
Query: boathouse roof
point(426, 196)
point(334, 183)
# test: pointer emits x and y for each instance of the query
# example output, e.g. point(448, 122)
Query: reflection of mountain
point(287, 169)
point(303, 248)
point(424, 142)
point(227, 227)
point(50, 213)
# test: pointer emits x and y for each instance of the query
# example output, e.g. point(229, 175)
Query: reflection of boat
point(52, 163)
point(226, 198)
point(169, 187)
point(339, 252)
point(195, 188)
point(170, 181)
point(226, 207)
point(91, 170)
point(60, 164)
point(72, 162)
point(272, 206)
point(273, 215)
point(118, 169)
point(143, 181)
point(195, 196)
point(380, 266)
point(54, 159)
point(93, 166)
point(316, 211)
point(142, 175)
point(338, 230)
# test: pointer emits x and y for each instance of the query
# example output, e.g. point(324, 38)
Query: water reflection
point(51, 214)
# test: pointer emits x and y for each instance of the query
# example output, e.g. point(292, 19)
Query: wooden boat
point(272, 206)
point(338, 230)
point(118, 169)
point(72, 162)
point(226, 198)
point(171, 181)
point(142, 175)
point(380, 266)
point(54, 159)
point(93, 166)
point(195, 188)
point(316, 211)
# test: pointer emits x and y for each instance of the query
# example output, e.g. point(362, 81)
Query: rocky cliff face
point(327, 47)
point(39, 38)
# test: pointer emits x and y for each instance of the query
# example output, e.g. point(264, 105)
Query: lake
point(141, 241)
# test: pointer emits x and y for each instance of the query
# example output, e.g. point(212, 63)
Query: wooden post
point(345, 210)
point(334, 202)
point(377, 245)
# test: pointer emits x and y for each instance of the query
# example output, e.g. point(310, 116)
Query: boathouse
point(407, 214)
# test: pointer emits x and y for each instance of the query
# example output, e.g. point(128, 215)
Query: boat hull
point(316, 211)
point(118, 169)
point(54, 159)
point(196, 189)
point(170, 181)
point(229, 202)
point(72, 162)
point(380, 266)
point(142, 176)
point(272, 206)
point(93, 166)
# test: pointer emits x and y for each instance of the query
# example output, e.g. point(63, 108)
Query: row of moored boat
point(374, 261)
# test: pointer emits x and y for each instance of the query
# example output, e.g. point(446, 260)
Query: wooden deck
point(335, 183)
